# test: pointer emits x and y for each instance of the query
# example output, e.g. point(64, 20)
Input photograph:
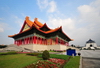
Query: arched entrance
point(91, 45)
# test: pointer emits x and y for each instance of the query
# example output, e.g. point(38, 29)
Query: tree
point(45, 55)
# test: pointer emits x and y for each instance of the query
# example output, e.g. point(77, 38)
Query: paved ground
point(90, 53)
point(90, 58)
point(90, 63)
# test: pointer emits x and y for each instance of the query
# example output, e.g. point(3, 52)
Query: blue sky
point(80, 19)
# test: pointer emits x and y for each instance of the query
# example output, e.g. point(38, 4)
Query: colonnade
point(39, 40)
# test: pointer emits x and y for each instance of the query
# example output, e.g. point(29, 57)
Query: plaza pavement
point(89, 58)
point(89, 53)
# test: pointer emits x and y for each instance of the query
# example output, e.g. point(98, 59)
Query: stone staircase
point(14, 47)
point(73, 48)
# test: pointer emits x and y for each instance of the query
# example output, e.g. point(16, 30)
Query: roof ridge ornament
point(27, 18)
point(35, 19)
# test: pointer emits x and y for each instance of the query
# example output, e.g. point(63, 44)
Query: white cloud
point(89, 20)
point(52, 7)
point(65, 23)
point(18, 20)
point(3, 27)
point(5, 8)
point(84, 27)
point(1, 19)
point(42, 4)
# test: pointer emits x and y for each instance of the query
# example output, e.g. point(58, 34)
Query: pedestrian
point(79, 54)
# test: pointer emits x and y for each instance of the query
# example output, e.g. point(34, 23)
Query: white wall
point(37, 47)
point(28, 46)
point(63, 47)
point(53, 47)
point(93, 45)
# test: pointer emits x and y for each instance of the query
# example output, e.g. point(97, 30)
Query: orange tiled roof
point(30, 23)
point(45, 25)
point(37, 25)
point(37, 22)
point(52, 30)
point(11, 35)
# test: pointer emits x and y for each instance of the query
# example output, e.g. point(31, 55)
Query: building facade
point(37, 36)
point(90, 44)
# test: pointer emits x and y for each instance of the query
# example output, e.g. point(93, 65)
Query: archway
point(91, 45)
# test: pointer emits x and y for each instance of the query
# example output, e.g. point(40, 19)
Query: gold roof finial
point(27, 18)
point(36, 19)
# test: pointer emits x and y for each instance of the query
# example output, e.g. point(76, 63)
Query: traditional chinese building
point(37, 36)
point(90, 44)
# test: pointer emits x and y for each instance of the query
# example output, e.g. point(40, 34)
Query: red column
point(50, 41)
point(14, 42)
point(64, 43)
point(45, 41)
point(18, 42)
point(34, 39)
point(26, 40)
point(60, 41)
point(40, 40)
point(56, 40)
point(21, 42)
point(29, 40)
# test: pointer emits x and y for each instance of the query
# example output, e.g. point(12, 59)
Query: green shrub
point(3, 53)
point(65, 57)
point(45, 55)
point(33, 54)
point(8, 53)
point(12, 52)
